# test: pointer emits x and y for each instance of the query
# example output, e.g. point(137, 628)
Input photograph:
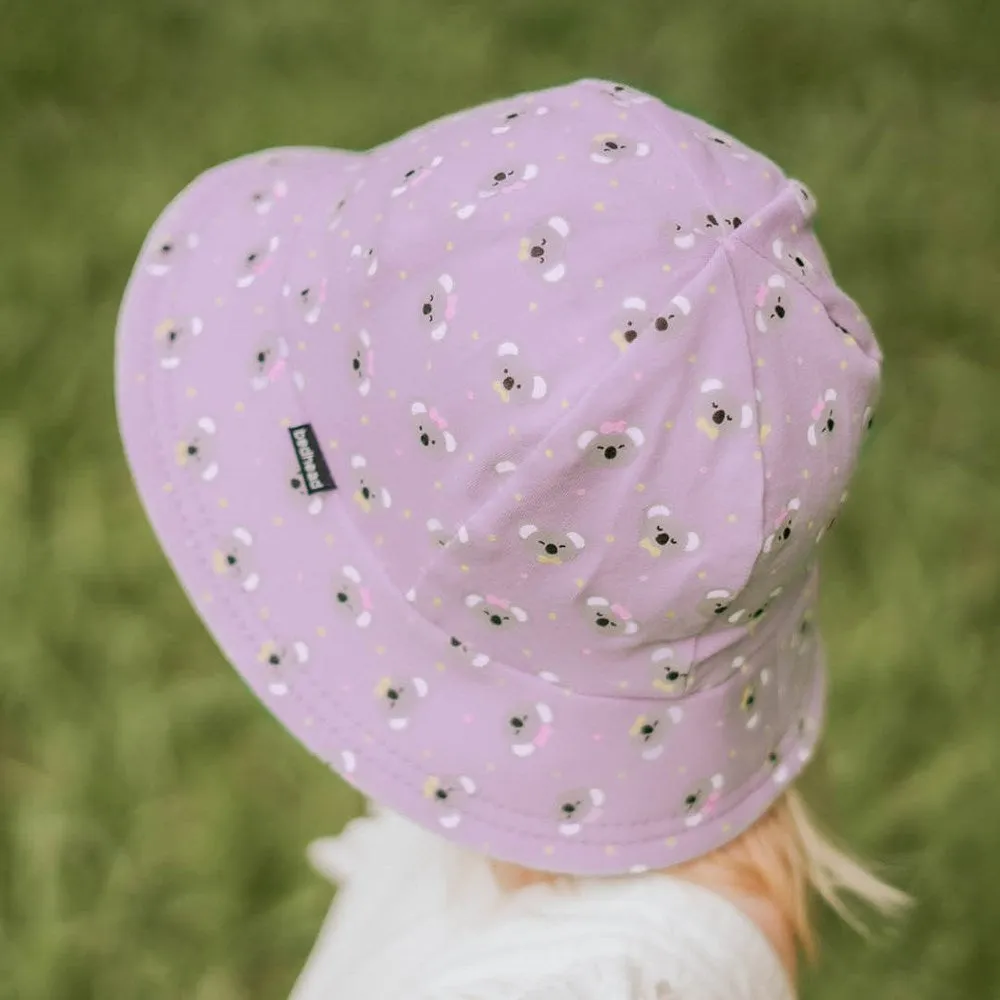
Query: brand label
point(315, 471)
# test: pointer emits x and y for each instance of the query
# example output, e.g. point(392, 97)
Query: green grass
point(152, 817)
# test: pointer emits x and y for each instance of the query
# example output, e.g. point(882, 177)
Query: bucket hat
point(495, 460)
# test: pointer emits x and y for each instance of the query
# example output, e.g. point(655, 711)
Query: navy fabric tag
point(315, 471)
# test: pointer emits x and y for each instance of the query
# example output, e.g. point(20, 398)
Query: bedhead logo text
point(312, 464)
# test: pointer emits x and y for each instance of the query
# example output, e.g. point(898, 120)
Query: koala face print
point(399, 698)
point(720, 412)
point(664, 535)
point(351, 595)
point(771, 303)
point(312, 502)
point(432, 430)
point(439, 306)
point(264, 199)
point(445, 539)
point(720, 141)
point(309, 300)
point(611, 148)
point(632, 319)
point(336, 215)
point(529, 728)
point(467, 654)
point(504, 181)
point(256, 261)
point(278, 659)
point(551, 548)
point(670, 671)
point(783, 526)
point(449, 796)
point(368, 495)
point(701, 226)
point(416, 176)
point(824, 419)
point(625, 97)
point(613, 445)
point(173, 337)
point(497, 612)
point(363, 362)
point(794, 259)
point(716, 604)
point(806, 200)
point(232, 559)
point(514, 382)
point(196, 452)
point(269, 363)
point(367, 257)
point(609, 619)
point(746, 698)
point(511, 119)
point(544, 249)
point(701, 799)
point(167, 250)
point(670, 320)
point(648, 733)
point(576, 807)
point(750, 615)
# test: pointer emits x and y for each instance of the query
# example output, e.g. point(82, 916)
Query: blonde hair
point(784, 855)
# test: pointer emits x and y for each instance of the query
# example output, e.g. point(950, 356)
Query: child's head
point(496, 460)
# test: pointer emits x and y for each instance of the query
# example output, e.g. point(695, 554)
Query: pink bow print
point(274, 372)
point(366, 598)
point(817, 410)
point(544, 734)
point(710, 803)
point(622, 612)
point(498, 602)
point(613, 427)
point(761, 296)
point(451, 307)
point(370, 362)
point(436, 417)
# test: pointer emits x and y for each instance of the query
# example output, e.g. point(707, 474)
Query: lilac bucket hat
point(495, 460)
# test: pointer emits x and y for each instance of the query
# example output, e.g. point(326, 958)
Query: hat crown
point(600, 371)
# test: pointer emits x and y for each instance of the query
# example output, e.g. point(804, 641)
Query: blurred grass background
point(152, 817)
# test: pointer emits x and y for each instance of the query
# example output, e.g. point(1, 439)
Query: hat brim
point(294, 601)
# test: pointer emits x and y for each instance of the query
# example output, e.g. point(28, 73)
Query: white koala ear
point(682, 303)
point(466, 212)
point(778, 248)
point(468, 785)
point(358, 461)
point(811, 434)
point(463, 534)
point(658, 510)
point(420, 686)
point(831, 395)
point(207, 425)
point(711, 385)
point(352, 574)
point(760, 322)
point(446, 282)
point(598, 602)
point(560, 225)
point(556, 273)
point(661, 654)
point(642, 149)
point(418, 408)
point(520, 614)
point(576, 539)
point(631, 628)
point(794, 504)
point(450, 443)
point(242, 535)
point(434, 525)
point(684, 241)
point(365, 337)
point(386, 498)
point(585, 439)
point(507, 350)
point(437, 161)
point(692, 543)
point(356, 250)
point(301, 652)
point(776, 281)
point(747, 420)
point(597, 797)
point(473, 601)
point(634, 302)
point(527, 530)
point(503, 468)
point(530, 172)
point(718, 781)
point(196, 326)
point(539, 388)
point(638, 438)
